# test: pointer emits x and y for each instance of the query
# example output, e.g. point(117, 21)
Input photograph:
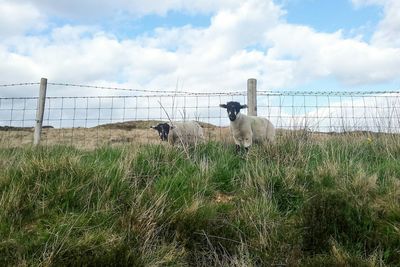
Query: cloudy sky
point(201, 45)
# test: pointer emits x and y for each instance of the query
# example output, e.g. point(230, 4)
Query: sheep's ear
point(243, 106)
point(153, 127)
point(171, 127)
point(223, 105)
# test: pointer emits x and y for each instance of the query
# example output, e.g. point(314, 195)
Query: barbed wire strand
point(18, 84)
point(225, 91)
point(145, 90)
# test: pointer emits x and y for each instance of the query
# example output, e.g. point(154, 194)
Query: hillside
point(143, 124)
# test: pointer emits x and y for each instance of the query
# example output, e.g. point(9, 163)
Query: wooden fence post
point(252, 97)
point(40, 111)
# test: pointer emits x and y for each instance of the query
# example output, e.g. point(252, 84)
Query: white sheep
point(248, 129)
point(186, 132)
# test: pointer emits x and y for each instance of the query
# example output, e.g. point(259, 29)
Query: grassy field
point(304, 201)
point(103, 135)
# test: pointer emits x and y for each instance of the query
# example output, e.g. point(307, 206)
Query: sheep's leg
point(237, 143)
point(265, 143)
point(247, 143)
point(237, 148)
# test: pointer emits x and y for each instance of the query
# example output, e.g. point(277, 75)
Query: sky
point(200, 46)
point(206, 45)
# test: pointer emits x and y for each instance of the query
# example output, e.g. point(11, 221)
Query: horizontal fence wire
point(147, 91)
point(91, 121)
point(18, 84)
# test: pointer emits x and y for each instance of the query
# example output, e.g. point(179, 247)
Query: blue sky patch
point(126, 26)
point(331, 16)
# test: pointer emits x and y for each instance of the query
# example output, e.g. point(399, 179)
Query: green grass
point(299, 202)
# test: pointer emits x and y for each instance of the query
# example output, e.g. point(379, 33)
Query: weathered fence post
point(252, 97)
point(40, 111)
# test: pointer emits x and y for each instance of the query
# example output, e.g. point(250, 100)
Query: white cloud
point(16, 18)
point(388, 32)
point(16, 67)
point(315, 55)
point(209, 58)
point(98, 9)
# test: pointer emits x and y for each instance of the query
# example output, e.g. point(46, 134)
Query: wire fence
point(96, 120)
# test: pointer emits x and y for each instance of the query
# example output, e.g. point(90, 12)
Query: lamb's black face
point(233, 108)
point(163, 130)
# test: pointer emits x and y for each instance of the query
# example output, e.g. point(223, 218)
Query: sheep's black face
point(233, 108)
point(163, 130)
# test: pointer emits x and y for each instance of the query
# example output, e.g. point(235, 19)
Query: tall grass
point(301, 202)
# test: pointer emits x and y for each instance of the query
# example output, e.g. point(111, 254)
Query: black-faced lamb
point(187, 132)
point(248, 129)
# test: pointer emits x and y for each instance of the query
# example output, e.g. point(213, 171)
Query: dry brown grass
point(88, 138)
point(137, 132)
